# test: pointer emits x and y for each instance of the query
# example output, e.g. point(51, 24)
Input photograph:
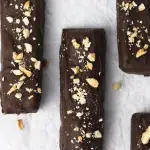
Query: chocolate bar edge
point(61, 78)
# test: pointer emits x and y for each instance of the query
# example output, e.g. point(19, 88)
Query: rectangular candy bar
point(82, 72)
point(140, 131)
point(22, 25)
point(133, 36)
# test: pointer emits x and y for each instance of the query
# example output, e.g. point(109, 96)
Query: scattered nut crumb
point(116, 86)
point(20, 124)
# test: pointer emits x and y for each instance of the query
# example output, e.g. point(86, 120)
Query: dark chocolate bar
point(82, 72)
point(140, 131)
point(22, 25)
point(133, 36)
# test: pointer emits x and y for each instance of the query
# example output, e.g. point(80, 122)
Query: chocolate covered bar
point(82, 73)
point(140, 131)
point(22, 29)
point(133, 36)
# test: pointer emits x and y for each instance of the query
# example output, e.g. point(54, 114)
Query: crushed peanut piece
point(28, 47)
point(12, 89)
point(91, 57)
point(26, 33)
point(89, 65)
point(25, 71)
point(146, 46)
point(39, 90)
point(27, 13)
point(142, 7)
point(97, 134)
point(146, 136)
point(79, 138)
point(75, 44)
point(76, 69)
point(30, 97)
point(33, 59)
point(19, 56)
point(37, 65)
point(29, 90)
point(20, 124)
point(22, 78)
point(26, 5)
point(86, 43)
point(19, 84)
point(17, 72)
point(92, 82)
point(116, 86)
point(140, 53)
point(10, 19)
point(18, 95)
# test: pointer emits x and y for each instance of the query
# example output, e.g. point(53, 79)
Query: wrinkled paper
point(41, 131)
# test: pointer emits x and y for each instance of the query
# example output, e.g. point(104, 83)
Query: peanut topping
point(26, 33)
point(25, 71)
point(37, 65)
point(146, 136)
point(140, 53)
point(79, 139)
point(18, 95)
point(28, 47)
point(26, 5)
point(39, 90)
point(97, 134)
point(10, 19)
point(12, 89)
point(17, 72)
point(91, 57)
point(75, 44)
point(92, 82)
point(86, 43)
point(89, 65)
point(76, 69)
point(142, 7)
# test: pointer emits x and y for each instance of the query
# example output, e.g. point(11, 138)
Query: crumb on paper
point(116, 86)
point(20, 125)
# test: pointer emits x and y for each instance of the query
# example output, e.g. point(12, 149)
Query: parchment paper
point(41, 130)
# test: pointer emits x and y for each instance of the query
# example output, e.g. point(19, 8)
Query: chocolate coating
point(139, 124)
point(77, 132)
point(126, 21)
point(13, 40)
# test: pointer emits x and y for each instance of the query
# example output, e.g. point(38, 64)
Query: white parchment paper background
point(41, 130)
